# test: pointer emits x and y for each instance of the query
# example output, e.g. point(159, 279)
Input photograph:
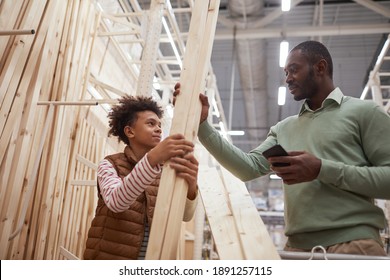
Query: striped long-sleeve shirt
point(118, 194)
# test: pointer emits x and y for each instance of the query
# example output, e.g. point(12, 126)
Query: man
point(339, 159)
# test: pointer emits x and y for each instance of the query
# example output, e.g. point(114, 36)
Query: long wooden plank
point(9, 11)
point(219, 214)
point(13, 68)
point(65, 233)
point(168, 178)
point(192, 123)
point(85, 21)
point(23, 142)
point(15, 54)
point(83, 227)
point(45, 211)
point(89, 22)
point(21, 229)
point(59, 83)
point(255, 240)
point(62, 143)
point(52, 198)
point(46, 65)
point(86, 140)
point(51, 92)
point(165, 231)
point(10, 78)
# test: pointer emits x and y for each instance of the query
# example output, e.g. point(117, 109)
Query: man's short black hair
point(315, 51)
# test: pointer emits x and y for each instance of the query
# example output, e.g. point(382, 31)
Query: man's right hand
point(203, 100)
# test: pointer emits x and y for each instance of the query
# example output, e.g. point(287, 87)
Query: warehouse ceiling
point(245, 59)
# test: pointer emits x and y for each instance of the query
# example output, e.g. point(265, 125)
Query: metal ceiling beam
point(378, 8)
point(379, 87)
point(303, 31)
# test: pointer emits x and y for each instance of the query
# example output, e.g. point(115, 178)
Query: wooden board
point(238, 231)
point(219, 214)
point(255, 240)
point(170, 203)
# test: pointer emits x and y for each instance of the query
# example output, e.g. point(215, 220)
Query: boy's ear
point(129, 131)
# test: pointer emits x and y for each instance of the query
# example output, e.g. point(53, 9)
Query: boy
point(128, 182)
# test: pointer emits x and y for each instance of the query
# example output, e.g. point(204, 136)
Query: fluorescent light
point(282, 96)
point(283, 53)
point(175, 51)
point(236, 132)
point(286, 5)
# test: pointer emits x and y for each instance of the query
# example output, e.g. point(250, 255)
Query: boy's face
point(146, 131)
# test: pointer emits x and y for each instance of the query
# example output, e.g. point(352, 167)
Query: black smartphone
point(276, 151)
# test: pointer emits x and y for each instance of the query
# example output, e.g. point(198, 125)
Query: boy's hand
point(186, 167)
point(172, 146)
point(203, 100)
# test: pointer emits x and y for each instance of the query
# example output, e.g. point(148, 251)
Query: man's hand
point(304, 167)
point(203, 100)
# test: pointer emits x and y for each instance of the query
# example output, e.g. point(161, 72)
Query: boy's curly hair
point(126, 113)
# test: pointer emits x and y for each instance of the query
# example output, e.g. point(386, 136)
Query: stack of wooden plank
point(164, 236)
point(40, 210)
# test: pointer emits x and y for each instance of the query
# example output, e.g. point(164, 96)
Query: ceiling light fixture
point(175, 51)
point(286, 5)
point(283, 52)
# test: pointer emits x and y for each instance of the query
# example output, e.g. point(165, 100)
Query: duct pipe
point(251, 60)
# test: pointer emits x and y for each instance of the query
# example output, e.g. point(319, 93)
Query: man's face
point(300, 76)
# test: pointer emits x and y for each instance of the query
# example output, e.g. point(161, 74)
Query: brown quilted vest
point(118, 236)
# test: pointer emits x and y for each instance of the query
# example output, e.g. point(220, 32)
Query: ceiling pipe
point(304, 31)
point(251, 65)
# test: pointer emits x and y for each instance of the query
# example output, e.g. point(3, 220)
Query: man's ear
point(321, 67)
point(128, 131)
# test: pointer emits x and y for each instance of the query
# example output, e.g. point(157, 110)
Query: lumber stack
point(48, 153)
point(164, 236)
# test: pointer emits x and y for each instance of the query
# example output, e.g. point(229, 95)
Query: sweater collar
point(335, 97)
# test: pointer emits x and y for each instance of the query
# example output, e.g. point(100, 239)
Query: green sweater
point(352, 139)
